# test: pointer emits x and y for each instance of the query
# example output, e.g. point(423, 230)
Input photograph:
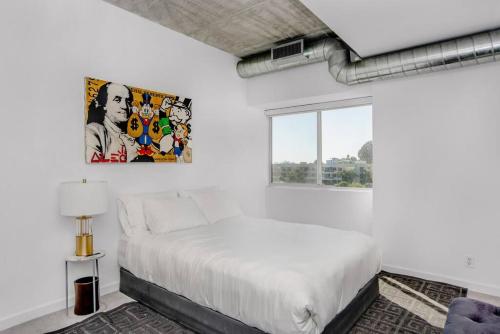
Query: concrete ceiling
point(377, 26)
point(240, 27)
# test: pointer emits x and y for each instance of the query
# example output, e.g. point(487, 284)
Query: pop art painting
point(128, 124)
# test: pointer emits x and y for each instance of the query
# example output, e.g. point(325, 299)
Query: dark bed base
point(207, 321)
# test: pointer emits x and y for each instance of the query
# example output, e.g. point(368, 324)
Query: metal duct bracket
point(469, 50)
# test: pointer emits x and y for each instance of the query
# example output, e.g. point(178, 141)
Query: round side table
point(95, 270)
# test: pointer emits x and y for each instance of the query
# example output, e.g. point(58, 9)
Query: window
point(339, 134)
point(294, 148)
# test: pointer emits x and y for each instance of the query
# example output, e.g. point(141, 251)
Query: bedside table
point(95, 270)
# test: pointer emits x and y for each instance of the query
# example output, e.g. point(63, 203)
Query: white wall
point(344, 209)
point(48, 47)
point(294, 86)
point(436, 197)
point(436, 148)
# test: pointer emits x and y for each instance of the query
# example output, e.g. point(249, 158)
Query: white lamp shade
point(83, 199)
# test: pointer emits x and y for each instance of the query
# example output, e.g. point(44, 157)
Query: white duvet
point(280, 277)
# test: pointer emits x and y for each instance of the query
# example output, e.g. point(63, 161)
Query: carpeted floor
point(406, 305)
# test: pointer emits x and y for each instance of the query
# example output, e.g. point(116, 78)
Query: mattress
point(277, 276)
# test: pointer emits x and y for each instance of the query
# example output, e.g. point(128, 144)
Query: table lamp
point(83, 200)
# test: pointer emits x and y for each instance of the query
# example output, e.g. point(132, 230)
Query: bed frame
point(207, 321)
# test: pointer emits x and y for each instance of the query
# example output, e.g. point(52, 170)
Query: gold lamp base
point(84, 245)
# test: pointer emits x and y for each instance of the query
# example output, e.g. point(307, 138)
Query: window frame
point(317, 108)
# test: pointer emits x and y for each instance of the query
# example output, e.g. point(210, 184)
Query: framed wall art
point(128, 124)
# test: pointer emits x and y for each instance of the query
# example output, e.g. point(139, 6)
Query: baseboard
point(492, 290)
point(47, 308)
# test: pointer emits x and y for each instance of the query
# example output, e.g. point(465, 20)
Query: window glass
point(347, 147)
point(294, 148)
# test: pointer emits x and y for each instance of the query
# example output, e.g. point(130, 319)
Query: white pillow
point(122, 217)
point(167, 215)
point(186, 193)
point(131, 214)
point(214, 203)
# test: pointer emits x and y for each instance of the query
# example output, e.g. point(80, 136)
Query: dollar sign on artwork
point(156, 128)
point(134, 125)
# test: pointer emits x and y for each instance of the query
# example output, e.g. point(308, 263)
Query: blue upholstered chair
point(469, 316)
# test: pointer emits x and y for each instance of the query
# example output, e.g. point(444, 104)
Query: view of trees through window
point(346, 148)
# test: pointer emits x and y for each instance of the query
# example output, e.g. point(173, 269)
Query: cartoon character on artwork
point(173, 111)
point(181, 136)
point(164, 124)
point(144, 126)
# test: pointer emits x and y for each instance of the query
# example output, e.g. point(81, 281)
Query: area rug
point(406, 305)
point(130, 318)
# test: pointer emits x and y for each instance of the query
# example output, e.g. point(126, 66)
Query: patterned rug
point(127, 318)
point(406, 305)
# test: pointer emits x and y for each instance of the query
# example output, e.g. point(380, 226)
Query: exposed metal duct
point(469, 50)
point(314, 52)
point(474, 49)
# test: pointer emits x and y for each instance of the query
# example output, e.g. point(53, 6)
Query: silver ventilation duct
point(314, 52)
point(469, 50)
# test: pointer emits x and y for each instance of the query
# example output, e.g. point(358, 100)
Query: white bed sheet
point(279, 277)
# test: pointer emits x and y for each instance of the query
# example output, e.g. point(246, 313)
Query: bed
point(247, 275)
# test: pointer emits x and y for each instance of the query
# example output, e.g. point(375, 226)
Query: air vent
point(295, 48)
